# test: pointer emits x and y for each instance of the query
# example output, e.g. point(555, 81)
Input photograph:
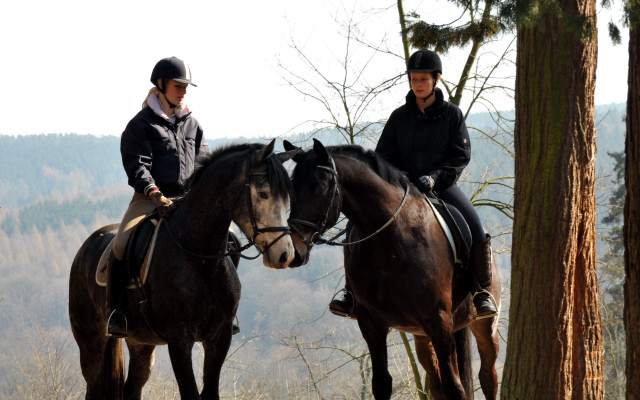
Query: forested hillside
point(39, 166)
point(56, 189)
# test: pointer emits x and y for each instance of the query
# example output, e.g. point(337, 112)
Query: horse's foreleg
point(376, 338)
point(140, 364)
point(488, 343)
point(215, 352)
point(180, 355)
point(441, 334)
point(429, 361)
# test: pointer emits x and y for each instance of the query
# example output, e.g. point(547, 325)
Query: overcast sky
point(77, 66)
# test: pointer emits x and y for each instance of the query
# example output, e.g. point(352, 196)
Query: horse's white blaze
point(270, 213)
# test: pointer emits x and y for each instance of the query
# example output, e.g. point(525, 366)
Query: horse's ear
point(288, 155)
point(265, 152)
point(288, 145)
point(321, 152)
point(291, 148)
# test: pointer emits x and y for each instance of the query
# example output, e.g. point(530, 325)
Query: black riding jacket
point(156, 151)
point(434, 143)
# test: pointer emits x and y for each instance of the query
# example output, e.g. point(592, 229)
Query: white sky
point(78, 66)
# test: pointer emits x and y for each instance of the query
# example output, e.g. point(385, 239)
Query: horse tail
point(113, 369)
point(463, 352)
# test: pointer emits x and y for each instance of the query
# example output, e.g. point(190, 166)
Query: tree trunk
point(477, 42)
point(403, 30)
point(632, 220)
point(555, 334)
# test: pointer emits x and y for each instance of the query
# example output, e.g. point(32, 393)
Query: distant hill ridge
point(70, 166)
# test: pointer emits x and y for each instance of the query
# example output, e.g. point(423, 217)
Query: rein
point(210, 256)
point(317, 237)
point(256, 231)
point(330, 242)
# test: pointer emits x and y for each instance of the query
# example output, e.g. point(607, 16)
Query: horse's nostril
point(284, 257)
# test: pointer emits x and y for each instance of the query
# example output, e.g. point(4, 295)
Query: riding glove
point(162, 204)
point(424, 183)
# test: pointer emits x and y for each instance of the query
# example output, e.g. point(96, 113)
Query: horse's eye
point(263, 195)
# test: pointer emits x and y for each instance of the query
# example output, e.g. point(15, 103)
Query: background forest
point(56, 189)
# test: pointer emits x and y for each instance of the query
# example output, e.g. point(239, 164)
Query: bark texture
point(555, 335)
point(632, 221)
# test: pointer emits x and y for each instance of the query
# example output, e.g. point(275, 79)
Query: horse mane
point(374, 161)
point(277, 176)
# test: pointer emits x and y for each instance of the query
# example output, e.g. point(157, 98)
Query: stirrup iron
point(126, 325)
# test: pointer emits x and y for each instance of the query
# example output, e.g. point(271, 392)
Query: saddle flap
point(138, 254)
point(139, 244)
point(455, 228)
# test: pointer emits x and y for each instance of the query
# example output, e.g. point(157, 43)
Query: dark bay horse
point(401, 270)
point(192, 289)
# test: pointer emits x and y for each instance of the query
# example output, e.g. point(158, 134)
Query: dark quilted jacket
point(155, 151)
point(434, 143)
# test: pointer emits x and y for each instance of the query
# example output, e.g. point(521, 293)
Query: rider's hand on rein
point(162, 204)
point(424, 183)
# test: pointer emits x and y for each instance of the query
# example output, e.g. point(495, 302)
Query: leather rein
point(321, 226)
point(256, 231)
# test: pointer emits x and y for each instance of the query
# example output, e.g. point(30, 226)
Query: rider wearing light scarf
point(158, 147)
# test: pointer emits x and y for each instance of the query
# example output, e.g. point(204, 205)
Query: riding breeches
point(456, 197)
point(139, 207)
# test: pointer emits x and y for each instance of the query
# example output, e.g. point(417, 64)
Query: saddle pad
point(101, 271)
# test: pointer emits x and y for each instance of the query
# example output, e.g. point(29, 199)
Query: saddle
point(455, 228)
point(138, 253)
point(140, 248)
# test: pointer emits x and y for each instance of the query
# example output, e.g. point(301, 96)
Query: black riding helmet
point(424, 61)
point(171, 68)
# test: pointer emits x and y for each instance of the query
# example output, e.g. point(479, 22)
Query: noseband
point(321, 226)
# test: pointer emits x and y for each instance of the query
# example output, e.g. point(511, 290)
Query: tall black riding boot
point(116, 283)
point(481, 268)
point(346, 306)
point(233, 245)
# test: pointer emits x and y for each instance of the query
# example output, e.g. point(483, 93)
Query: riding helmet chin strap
point(425, 99)
point(163, 90)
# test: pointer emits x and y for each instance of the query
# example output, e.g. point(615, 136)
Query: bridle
point(286, 230)
point(321, 226)
point(254, 225)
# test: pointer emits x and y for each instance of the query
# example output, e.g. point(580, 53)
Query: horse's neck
point(366, 196)
point(201, 220)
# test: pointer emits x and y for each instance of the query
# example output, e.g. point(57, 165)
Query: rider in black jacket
point(160, 151)
point(158, 147)
point(412, 142)
point(428, 139)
